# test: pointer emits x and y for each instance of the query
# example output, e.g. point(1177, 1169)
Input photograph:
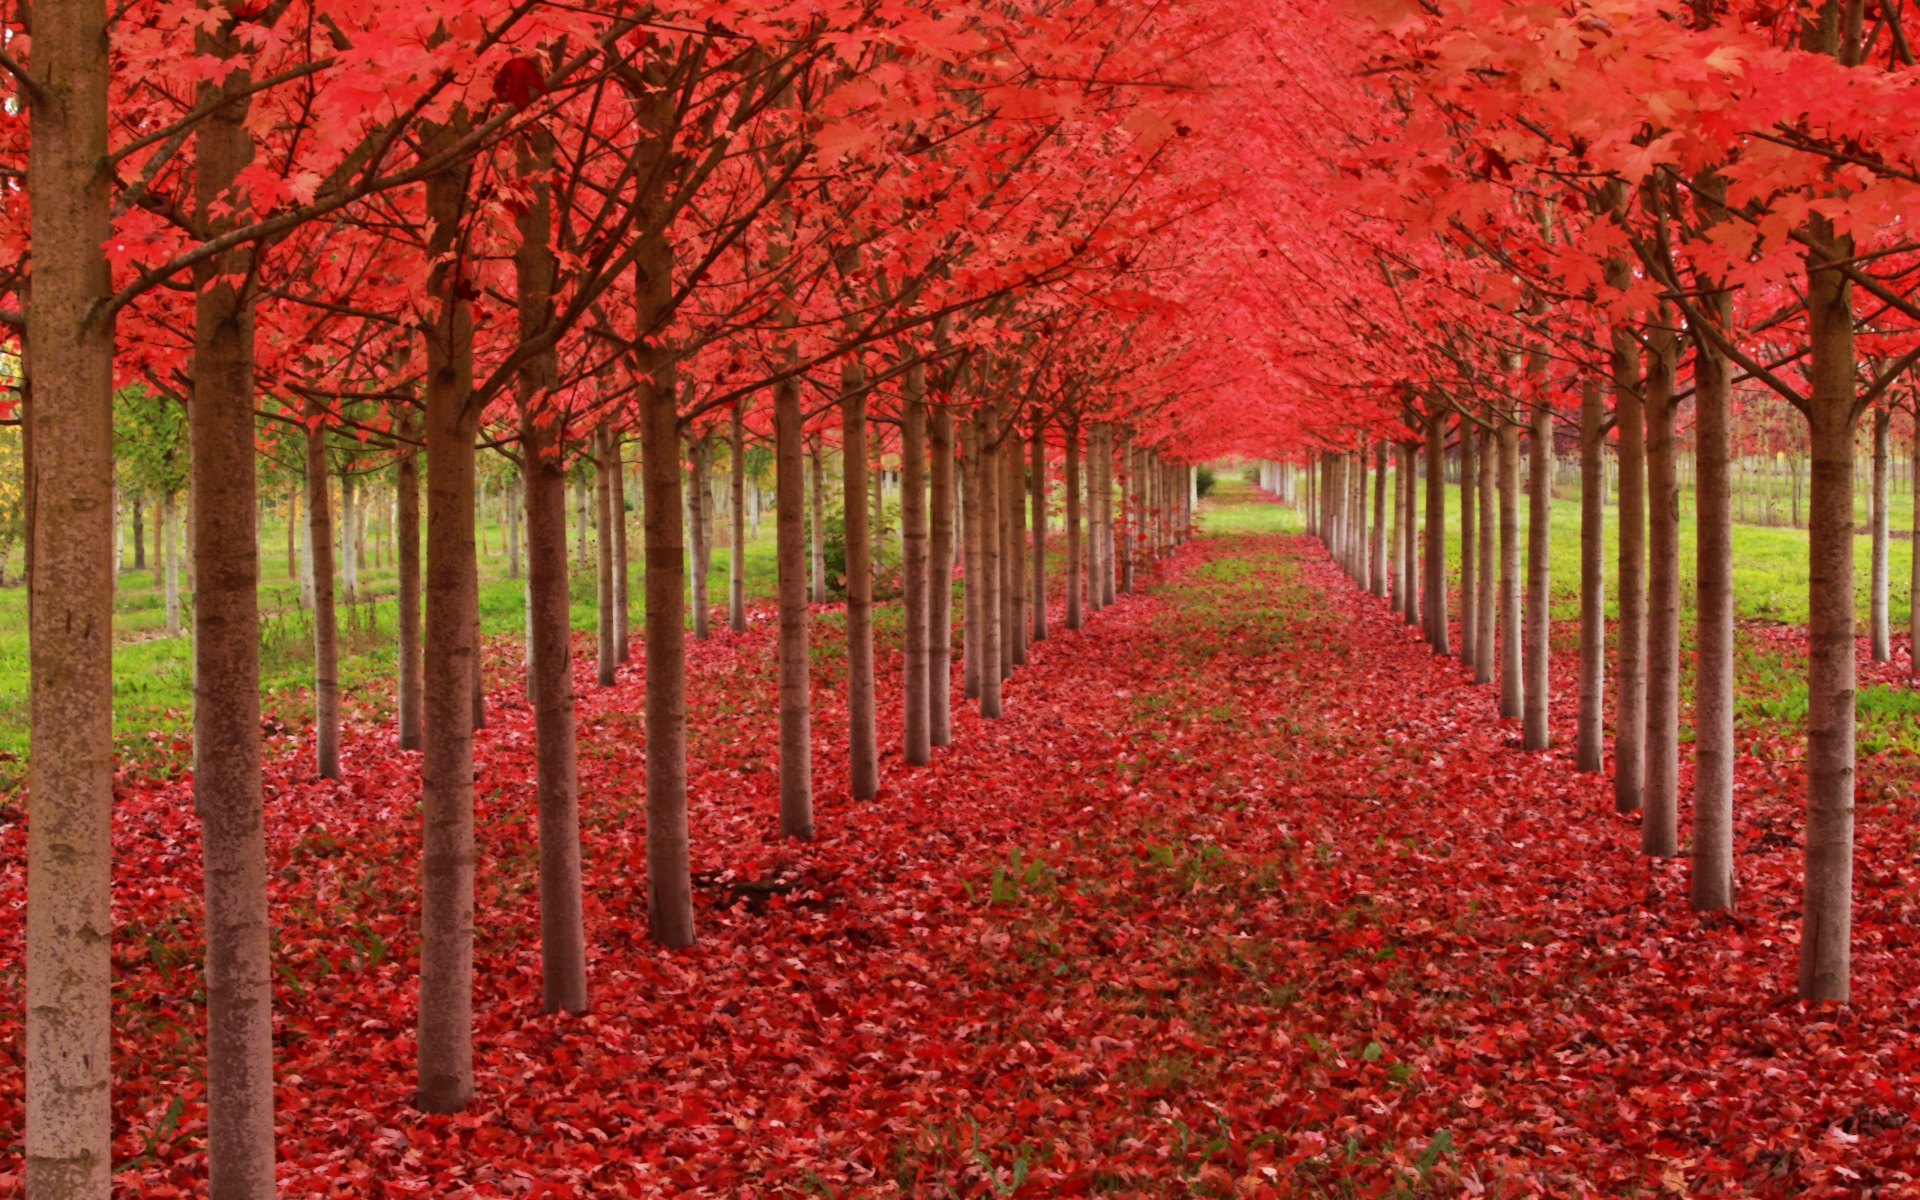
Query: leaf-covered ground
point(1249, 895)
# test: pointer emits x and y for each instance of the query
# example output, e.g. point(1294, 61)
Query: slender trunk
point(1535, 732)
point(140, 537)
point(913, 567)
point(563, 971)
point(604, 655)
point(1630, 676)
point(1590, 739)
point(1013, 455)
point(170, 524)
point(940, 583)
point(1712, 883)
point(510, 517)
point(445, 1039)
point(1437, 531)
point(408, 559)
point(326, 633)
point(1007, 496)
point(1879, 625)
point(1827, 902)
point(1659, 827)
point(987, 485)
point(699, 529)
point(1402, 543)
point(863, 765)
point(972, 632)
point(790, 553)
point(1512, 681)
point(737, 519)
point(1037, 499)
point(1913, 580)
point(1469, 560)
point(1486, 544)
point(622, 625)
point(1379, 518)
point(1109, 535)
point(1075, 618)
point(1129, 513)
point(159, 541)
point(818, 513)
point(1409, 519)
point(226, 679)
point(349, 538)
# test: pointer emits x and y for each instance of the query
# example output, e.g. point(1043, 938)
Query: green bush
point(886, 550)
point(1203, 481)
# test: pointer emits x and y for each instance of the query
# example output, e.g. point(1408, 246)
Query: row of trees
point(561, 234)
point(1546, 223)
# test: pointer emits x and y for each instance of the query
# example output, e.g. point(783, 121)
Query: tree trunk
point(1486, 544)
point(140, 538)
point(699, 529)
point(1512, 679)
point(1589, 739)
point(510, 517)
point(349, 538)
point(408, 560)
point(1007, 497)
point(622, 622)
point(863, 766)
point(940, 583)
point(170, 525)
point(1827, 902)
point(1379, 517)
point(1075, 617)
point(1712, 883)
point(1437, 531)
point(819, 510)
point(1469, 560)
point(1013, 455)
point(790, 552)
point(604, 656)
point(1129, 514)
point(986, 482)
point(326, 632)
point(1913, 580)
point(1402, 534)
point(1535, 731)
point(1880, 622)
point(226, 684)
point(1630, 676)
point(972, 633)
point(69, 500)
point(563, 970)
point(1037, 498)
point(737, 519)
point(917, 747)
point(445, 1040)
point(1659, 827)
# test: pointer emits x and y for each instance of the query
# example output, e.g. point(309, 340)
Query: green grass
point(153, 673)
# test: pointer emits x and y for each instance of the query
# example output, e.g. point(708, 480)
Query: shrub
point(1203, 481)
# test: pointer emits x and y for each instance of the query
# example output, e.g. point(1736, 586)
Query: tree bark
point(1075, 617)
point(622, 622)
point(604, 656)
point(915, 734)
point(1590, 741)
point(68, 364)
point(737, 519)
point(326, 632)
point(1013, 574)
point(445, 1039)
point(1486, 544)
point(1536, 733)
point(408, 558)
point(1512, 679)
point(1827, 901)
point(790, 551)
point(1437, 531)
point(1037, 500)
point(1129, 514)
point(818, 512)
point(971, 631)
point(986, 485)
point(1712, 882)
point(940, 583)
point(1469, 560)
point(227, 791)
point(1630, 676)
point(1880, 623)
point(863, 766)
point(1659, 827)
point(170, 525)
point(1913, 579)
point(699, 497)
point(1402, 531)
point(1379, 517)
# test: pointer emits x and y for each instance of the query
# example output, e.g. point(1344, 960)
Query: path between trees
point(1248, 895)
